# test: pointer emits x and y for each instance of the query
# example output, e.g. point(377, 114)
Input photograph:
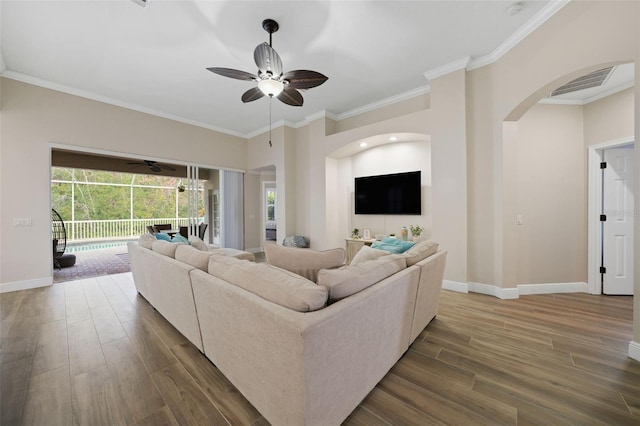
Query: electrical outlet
point(22, 221)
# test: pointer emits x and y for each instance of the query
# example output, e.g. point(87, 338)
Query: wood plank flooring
point(93, 352)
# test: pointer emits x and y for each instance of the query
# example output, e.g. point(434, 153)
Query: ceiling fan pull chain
point(270, 100)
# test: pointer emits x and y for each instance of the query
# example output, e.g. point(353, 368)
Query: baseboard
point(455, 286)
point(254, 250)
point(25, 285)
point(492, 290)
point(553, 288)
point(634, 350)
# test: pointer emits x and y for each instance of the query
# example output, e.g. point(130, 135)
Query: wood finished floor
point(92, 352)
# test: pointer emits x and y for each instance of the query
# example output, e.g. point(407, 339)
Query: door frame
point(594, 207)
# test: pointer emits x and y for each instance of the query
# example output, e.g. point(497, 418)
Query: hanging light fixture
point(271, 87)
point(272, 81)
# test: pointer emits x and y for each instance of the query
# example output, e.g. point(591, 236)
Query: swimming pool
point(95, 245)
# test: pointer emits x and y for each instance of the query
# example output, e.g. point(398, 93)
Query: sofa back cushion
point(343, 282)
point(420, 251)
point(194, 257)
point(273, 284)
point(302, 261)
point(166, 248)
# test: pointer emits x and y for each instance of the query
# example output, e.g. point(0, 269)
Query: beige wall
point(506, 89)
point(609, 119)
point(33, 118)
point(551, 196)
point(636, 273)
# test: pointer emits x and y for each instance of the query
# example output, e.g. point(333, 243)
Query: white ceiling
point(153, 58)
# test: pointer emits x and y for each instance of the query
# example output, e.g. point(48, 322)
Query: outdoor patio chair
point(152, 229)
point(201, 229)
point(163, 226)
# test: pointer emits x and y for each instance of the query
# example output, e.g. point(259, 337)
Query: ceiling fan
point(154, 166)
point(272, 81)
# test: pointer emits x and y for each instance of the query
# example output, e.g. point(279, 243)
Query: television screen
point(398, 193)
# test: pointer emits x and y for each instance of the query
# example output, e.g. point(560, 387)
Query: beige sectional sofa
point(303, 353)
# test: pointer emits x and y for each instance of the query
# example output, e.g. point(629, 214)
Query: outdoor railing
point(120, 228)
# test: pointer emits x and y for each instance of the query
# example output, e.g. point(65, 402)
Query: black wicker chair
point(59, 236)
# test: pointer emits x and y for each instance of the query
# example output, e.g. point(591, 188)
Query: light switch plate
point(22, 221)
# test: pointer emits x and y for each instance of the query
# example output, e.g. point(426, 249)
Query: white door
point(618, 206)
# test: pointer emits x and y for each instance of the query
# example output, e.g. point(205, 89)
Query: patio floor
point(93, 263)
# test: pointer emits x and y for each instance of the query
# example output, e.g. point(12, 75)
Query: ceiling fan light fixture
point(270, 87)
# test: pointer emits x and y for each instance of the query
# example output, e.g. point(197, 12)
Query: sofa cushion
point(421, 250)
point(274, 284)
point(231, 252)
point(194, 257)
point(302, 261)
point(198, 243)
point(367, 253)
point(165, 248)
point(343, 282)
point(394, 245)
point(146, 241)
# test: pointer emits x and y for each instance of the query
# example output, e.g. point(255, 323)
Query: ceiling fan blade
point(231, 73)
point(166, 167)
point(252, 94)
point(291, 96)
point(304, 79)
point(267, 59)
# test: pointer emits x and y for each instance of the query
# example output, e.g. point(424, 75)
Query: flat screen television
point(398, 193)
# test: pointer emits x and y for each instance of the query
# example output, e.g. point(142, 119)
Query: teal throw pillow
point(162, 236)
point(180, 239)
point(393, 245)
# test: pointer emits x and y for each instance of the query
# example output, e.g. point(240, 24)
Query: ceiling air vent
point(594, 79)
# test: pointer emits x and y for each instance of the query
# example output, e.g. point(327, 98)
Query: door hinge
point(603, 218)
point(603, 270)
point(603, 165)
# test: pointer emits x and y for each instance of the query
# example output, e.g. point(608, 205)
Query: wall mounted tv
point(397, 193)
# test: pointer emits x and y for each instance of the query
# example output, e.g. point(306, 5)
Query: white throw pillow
point(146, 241)
point(367, 253)
point(421, 250)
point(198, 243)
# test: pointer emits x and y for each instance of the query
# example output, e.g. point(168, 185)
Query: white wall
point(386, 159)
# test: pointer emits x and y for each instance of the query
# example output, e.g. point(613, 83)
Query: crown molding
point(95, 97)
point(530, 26)
point(315, 116)
point(461, 63)
point(384, 102)
point(275, 125)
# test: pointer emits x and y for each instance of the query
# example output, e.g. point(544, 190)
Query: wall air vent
point(594, 79)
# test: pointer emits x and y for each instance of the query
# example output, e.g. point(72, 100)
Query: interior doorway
point(610, 218)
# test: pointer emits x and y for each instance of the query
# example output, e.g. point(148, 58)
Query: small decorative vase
point(416, 238)
point(404, 233)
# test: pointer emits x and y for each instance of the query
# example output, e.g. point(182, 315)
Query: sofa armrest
point(305, 368)
point(429, 286)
